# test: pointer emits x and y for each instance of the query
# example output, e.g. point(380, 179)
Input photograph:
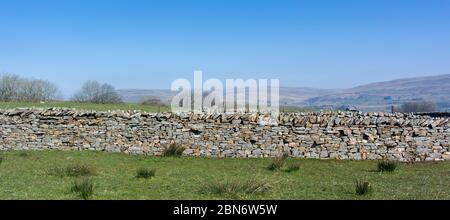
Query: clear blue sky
point(147, 44)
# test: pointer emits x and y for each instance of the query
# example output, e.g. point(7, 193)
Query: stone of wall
point(337, 135)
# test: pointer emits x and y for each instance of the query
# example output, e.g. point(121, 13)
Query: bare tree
point(9, 87)
point(88, 92)
point(419, 106)
point(37, 90)
point(16, 88)
point(108, 94)
point(93, 91)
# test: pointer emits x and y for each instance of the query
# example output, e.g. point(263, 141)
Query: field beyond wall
point(85, 106)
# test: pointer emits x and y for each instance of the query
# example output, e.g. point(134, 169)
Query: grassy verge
point(30, 177)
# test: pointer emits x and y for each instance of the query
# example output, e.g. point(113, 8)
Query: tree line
point(14, 88)
point(95, 92)
point(417, 106)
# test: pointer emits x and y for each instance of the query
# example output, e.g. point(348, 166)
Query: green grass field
point(84, 106)
point(30, 175)
point(120, 106)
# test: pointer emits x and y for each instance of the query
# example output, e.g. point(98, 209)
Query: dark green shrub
point(1, 159)
point(386, 166)
point(362, 187)
point(145, 173)
point(174, 150)
point(84, 188)
point(278, 162)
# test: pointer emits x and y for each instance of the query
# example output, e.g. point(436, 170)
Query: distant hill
point(371, 97)
point(381, 95)
point(289, 95)
point(138, 95)
point(296, 96)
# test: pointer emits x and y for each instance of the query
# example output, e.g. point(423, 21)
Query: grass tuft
point(73, 171)
point(80, 170)
point(84, 188)
point(236, 187)
point(174, 150)
point(1, 159)
point(362, 187)
point(292, 167)
point(278, 162)
point(145, 173)
point(24, 154)
point(387, 166)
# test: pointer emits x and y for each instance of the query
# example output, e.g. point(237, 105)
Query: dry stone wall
point(333, 135)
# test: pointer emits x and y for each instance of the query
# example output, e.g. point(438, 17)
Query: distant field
point(297, 109)
point(84, 106)
point(108, 107)
point(31, 175)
